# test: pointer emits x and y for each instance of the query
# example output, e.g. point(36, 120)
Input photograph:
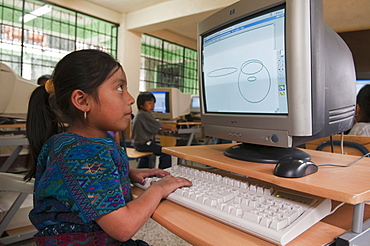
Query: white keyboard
point(271, 213)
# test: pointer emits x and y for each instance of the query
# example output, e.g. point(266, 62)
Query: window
point(35, 35)
point(165, 64)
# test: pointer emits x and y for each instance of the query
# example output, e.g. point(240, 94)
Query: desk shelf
point(349, 185)
point(336, 183)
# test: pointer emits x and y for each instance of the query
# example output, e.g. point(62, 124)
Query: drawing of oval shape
point(252, 67)
point(251, 78)
point(254, 81)
point(222, 72)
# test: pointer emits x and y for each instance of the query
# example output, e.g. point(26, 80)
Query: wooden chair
point(352, 145)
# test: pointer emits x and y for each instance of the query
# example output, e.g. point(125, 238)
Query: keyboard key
point(256, 218)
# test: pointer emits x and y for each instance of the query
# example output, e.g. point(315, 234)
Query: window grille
point(165, 64)
point(35, 35)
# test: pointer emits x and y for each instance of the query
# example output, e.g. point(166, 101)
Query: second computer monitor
point(195, 104)
point(171, 103)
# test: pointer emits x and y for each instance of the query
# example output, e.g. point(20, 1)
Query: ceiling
point(126, 6)
point(341, 15)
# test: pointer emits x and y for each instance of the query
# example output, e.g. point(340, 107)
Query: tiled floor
point(154, 234)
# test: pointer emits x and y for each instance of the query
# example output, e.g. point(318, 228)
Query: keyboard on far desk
point(188, 130)
point(269, 212)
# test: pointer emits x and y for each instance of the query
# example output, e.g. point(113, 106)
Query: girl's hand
point(169, 184)
point(138, 175)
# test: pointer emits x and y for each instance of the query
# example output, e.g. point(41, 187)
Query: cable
point(335, 209)
point(350, 164)
point(331, 144)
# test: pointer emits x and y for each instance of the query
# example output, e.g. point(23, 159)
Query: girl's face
point(148, 106)
point(113, 110)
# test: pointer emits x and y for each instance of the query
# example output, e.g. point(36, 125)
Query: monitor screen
point(195, 104)
point(246, 60)
point(273, 76)
point(162, 102)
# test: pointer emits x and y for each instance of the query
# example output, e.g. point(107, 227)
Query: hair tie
point(49, 86)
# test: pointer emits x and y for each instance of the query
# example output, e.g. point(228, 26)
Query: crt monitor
point(273, 76)
point(15, 93)
point(170, 103)
point(195, 104)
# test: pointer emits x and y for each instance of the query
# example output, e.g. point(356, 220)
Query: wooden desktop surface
point(190, 123)
point(345, 184)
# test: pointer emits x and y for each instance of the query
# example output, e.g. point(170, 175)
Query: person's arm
point(123, 223)
point(168, 127)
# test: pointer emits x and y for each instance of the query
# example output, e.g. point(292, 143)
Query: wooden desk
point(169, 139)
point(16, 125)
point(336, 183)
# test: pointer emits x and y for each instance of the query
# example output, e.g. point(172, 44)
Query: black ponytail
point(42, 123)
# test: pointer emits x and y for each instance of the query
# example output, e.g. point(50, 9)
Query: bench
point(134, 154)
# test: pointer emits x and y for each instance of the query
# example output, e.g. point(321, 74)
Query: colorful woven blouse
point(77, 180)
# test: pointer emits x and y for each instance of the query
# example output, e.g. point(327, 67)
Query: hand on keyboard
point(138, 175)
point(168, 183)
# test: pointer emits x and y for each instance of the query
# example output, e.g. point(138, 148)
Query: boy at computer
point(144, 127)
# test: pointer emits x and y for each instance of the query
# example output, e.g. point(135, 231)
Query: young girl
point(144, 127)
point(82, 176)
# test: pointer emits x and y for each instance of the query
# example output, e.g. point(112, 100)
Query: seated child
point(362, 117)
point(144, 127)
point(82, 176)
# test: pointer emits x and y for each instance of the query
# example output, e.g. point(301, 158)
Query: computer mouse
point(290, 167)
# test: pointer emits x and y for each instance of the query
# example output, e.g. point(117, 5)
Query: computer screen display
point(161, 102)
point(195, 104)
point(247, 60)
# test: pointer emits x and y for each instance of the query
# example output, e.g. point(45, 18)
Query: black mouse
point(290, 167)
